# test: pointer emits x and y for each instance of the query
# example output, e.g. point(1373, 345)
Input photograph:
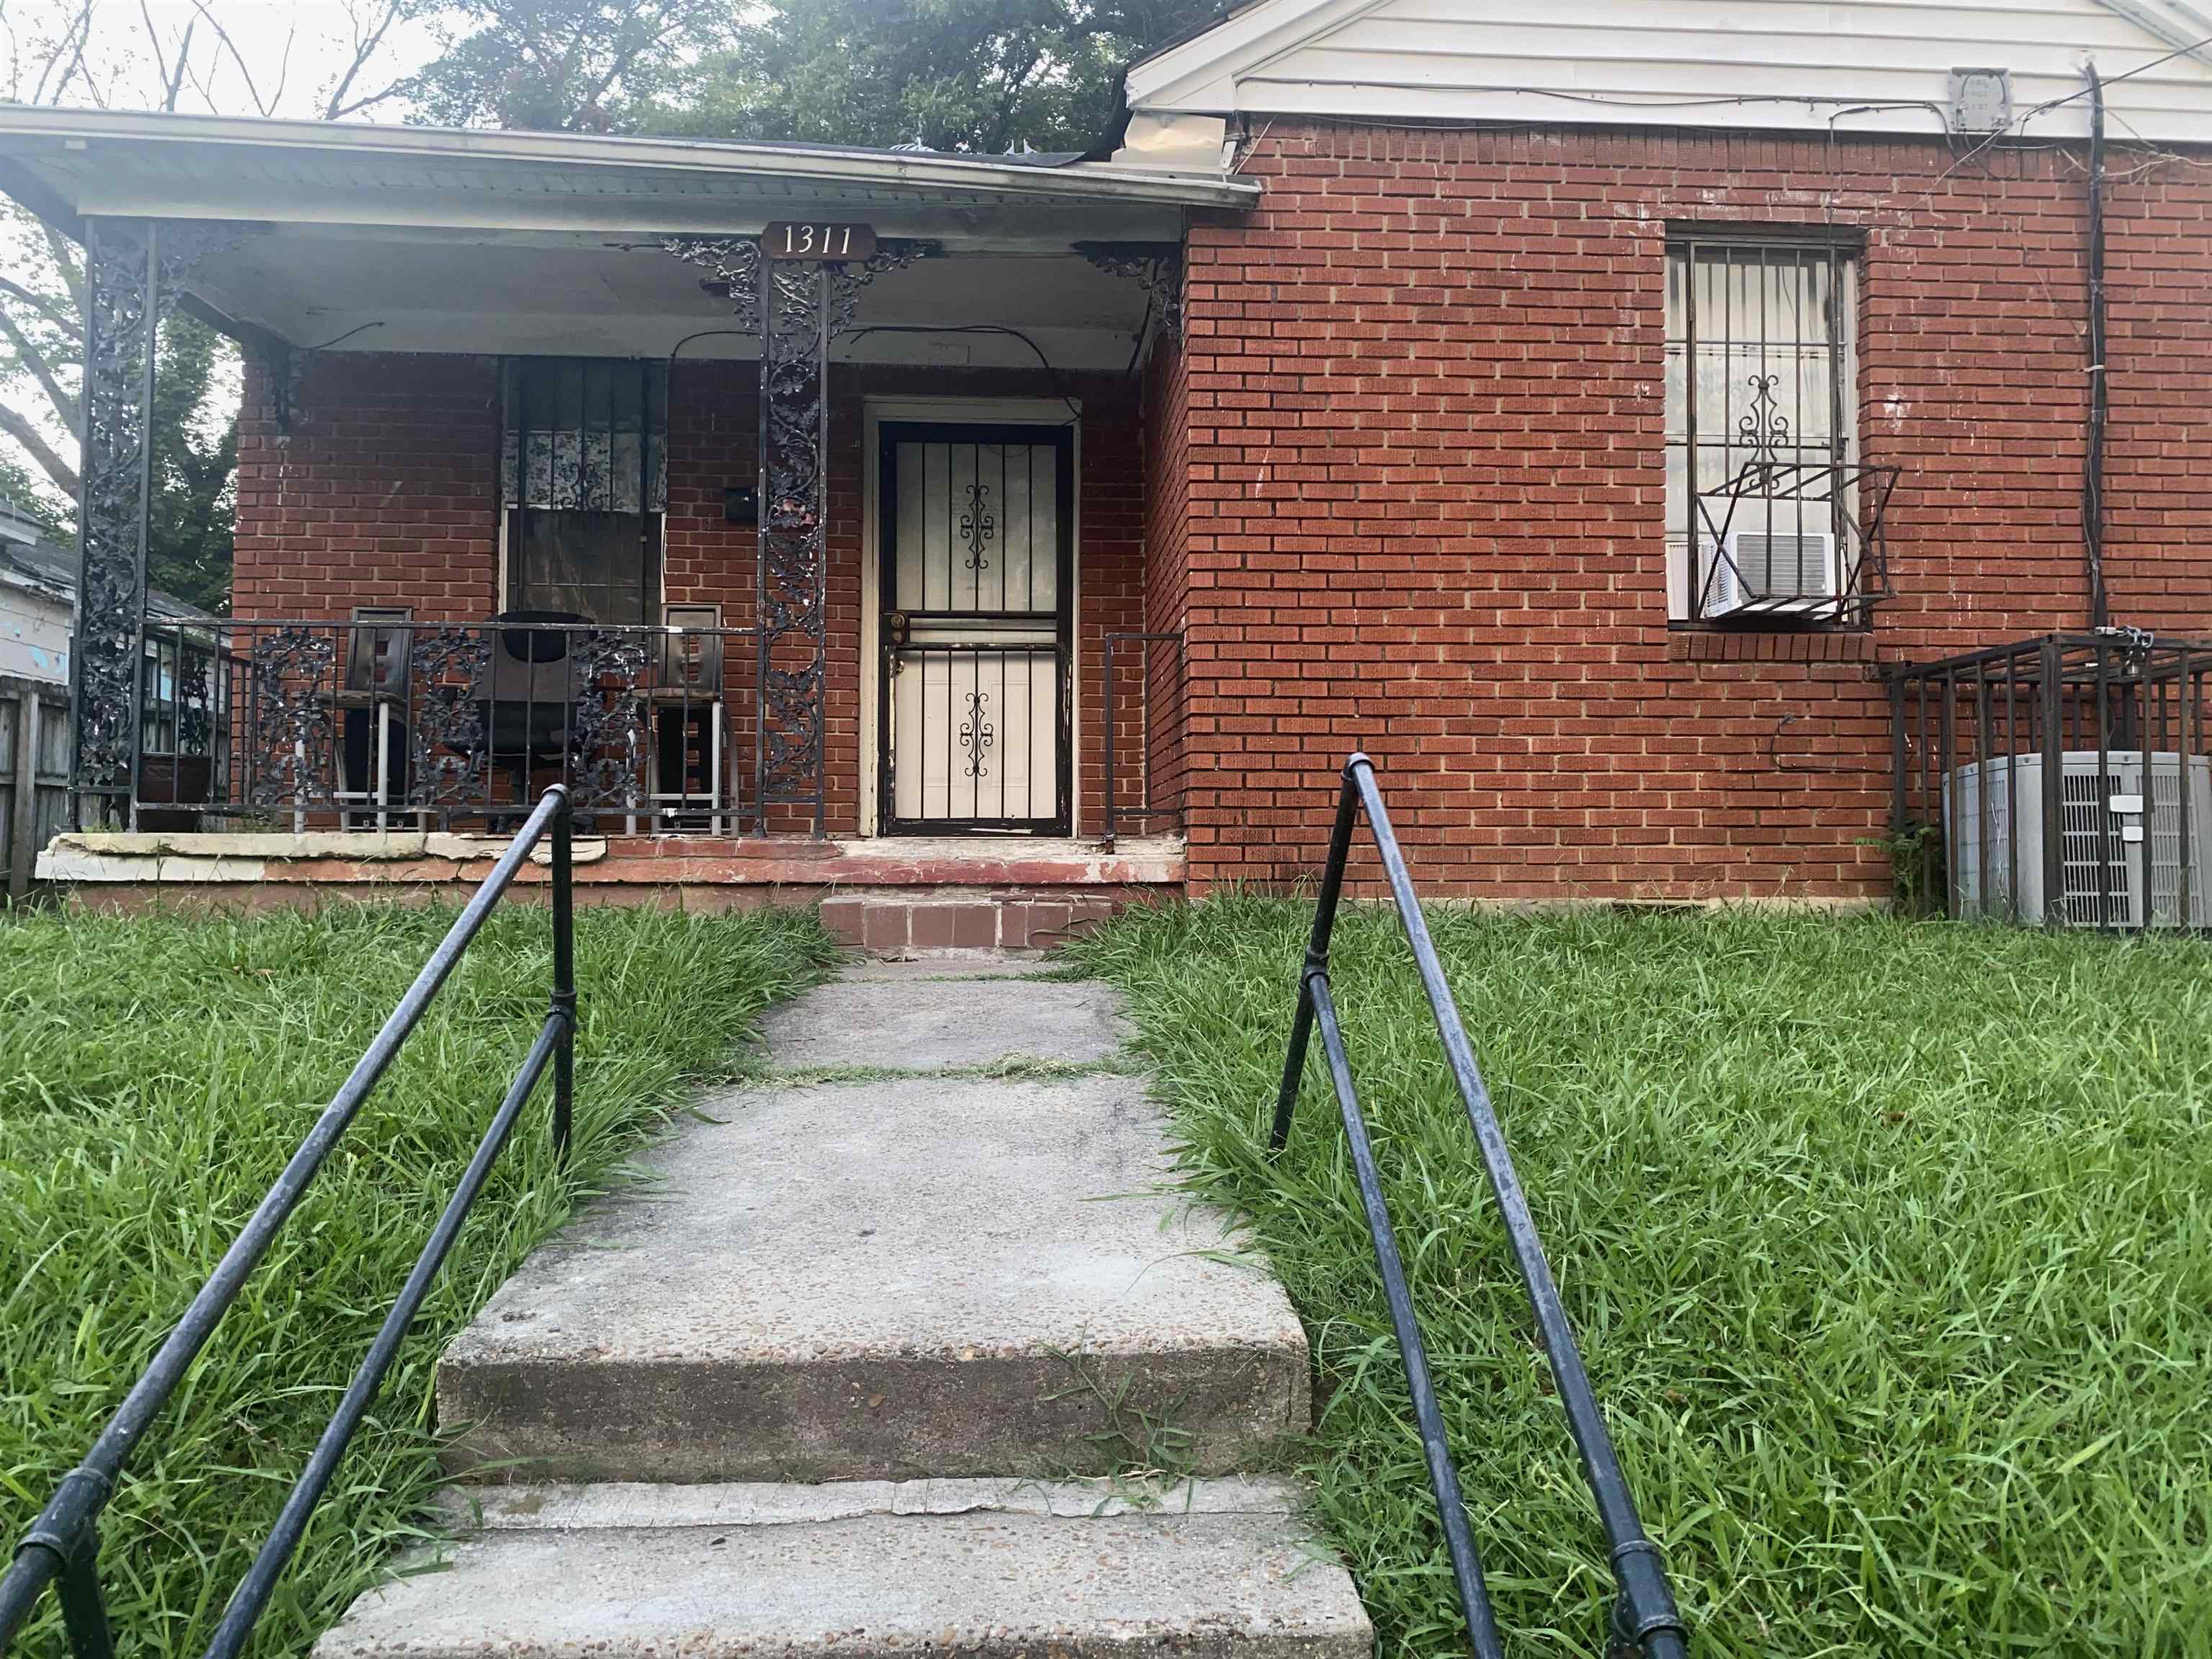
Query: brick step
point(898, 924)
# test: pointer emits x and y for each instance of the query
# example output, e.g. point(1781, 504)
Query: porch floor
point(891, 894)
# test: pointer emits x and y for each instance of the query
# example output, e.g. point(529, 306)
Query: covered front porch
point(760, 495)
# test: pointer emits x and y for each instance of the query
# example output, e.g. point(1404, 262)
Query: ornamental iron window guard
point(1644, 1621)
point(62, 1548)
point(1763, 566)
point(2064, 780)
point(384, 722)
point(1772, 516)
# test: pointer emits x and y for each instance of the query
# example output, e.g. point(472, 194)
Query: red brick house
point(1577, 406)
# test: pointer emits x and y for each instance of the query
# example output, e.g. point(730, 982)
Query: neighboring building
point(1578, 406)
point(38, 594)
point(36, 581)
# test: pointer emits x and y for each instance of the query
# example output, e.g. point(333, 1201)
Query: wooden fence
point(34, 764)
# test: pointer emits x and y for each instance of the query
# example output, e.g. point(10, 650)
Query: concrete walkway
point(905, 1346)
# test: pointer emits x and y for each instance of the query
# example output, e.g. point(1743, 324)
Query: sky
point(287, 54)
point(283, 58)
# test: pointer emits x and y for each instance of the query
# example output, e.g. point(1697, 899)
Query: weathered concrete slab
point(565, 1507)
point(928, 1023)
point(947, 965)
point(1213, 1582)
point(910, 1277)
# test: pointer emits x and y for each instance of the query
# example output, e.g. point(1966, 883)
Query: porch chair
point(529, 718)
point(371, 695)
point(687, 695)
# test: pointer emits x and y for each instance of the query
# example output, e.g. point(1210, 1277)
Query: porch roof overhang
point(422, 239)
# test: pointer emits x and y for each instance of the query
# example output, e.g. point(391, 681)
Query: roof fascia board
point(954, 176)
point(1260, 33)
point(2176, 23)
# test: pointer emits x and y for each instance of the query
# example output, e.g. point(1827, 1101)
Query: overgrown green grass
point(1890, 1247)
point(155, 1075)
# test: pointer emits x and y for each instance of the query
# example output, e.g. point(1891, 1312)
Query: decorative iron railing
point(2065, 780)
point(1141, 681)
point(1644, 1620)
point(62, 1548)
point(382, 721)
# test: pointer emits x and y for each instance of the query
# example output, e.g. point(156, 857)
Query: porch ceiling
point(389, 239)
point(535, 292)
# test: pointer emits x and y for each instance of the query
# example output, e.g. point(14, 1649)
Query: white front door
point(977, 548)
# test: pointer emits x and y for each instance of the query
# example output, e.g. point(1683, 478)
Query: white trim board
point(1851, 66)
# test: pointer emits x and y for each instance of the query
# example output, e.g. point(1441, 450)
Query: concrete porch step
point(894, 1273)
point(1220, 1570)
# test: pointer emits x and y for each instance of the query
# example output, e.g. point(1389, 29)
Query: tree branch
point(51, 464)
point(335, 106)
point(173, 81)
point(42, 371)
point(46, 309)
point(236, 56)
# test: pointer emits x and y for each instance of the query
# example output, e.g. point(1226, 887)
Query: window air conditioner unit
point(1780, 571)
point(1994, 831)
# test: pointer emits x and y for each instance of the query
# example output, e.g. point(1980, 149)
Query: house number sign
point(818, 241)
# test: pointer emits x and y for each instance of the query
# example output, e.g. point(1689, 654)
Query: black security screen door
point(978, 547)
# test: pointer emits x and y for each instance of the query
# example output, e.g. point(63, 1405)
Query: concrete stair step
point(1219, 1570)
point(907, 1276)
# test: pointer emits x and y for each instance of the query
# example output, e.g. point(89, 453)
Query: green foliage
point(1889, 1246)
point(33, 498)
point(189, 536)
point(986, 76)
point(572, 65)
point(155, 1074)
point(1916, 869)
point(195, 418)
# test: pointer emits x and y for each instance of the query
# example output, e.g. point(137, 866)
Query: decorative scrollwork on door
point(977, 734)
point(977, 527)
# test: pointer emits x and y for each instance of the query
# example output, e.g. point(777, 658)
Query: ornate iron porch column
point(798, 308)
point(133, 272)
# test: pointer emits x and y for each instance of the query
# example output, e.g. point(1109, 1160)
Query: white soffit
point(1812, 65)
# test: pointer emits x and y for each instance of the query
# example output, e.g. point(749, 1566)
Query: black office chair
point(529, 716)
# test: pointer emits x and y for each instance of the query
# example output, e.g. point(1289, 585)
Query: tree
point(556, 65)
point(77, 51)
point(982, 75)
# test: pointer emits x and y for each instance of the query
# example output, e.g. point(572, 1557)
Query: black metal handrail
point(62, 1548)
point(1644, 1618)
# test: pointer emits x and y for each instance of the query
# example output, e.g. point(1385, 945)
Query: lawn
point(1890, 1246)
point(155, 1073)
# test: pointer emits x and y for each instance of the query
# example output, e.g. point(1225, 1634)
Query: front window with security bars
point(1760, 423)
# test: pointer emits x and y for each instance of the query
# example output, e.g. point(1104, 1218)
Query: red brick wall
point(1152, 735)
point(383, 492)
point(1427, 492)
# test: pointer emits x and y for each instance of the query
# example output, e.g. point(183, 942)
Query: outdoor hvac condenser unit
point(2106, 820)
